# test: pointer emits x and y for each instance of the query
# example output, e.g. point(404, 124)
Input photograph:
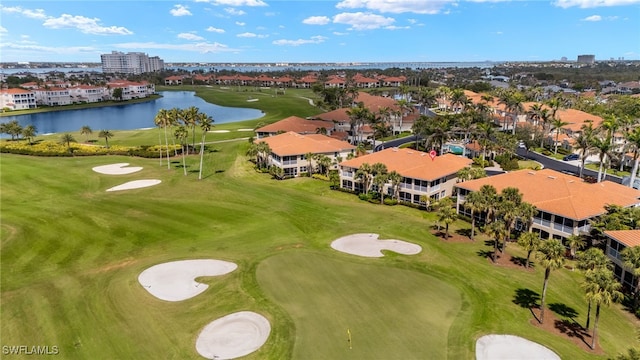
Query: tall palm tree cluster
point(182, 122)
point(15, 130)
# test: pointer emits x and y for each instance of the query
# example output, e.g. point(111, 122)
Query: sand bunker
point(498, 347)
point(116, 169)
point(219, 131)
point(136, 184)
point(175, 281)
point(368, 245)
point(244, 130)
point(233, 336)
point(252, 100)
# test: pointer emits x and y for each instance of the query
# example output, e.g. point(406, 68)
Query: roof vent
point(423, 154)
point(551, 177)
point(531, 173)
point(409, 152)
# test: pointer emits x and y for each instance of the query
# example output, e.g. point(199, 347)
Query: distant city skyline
point(262, 31)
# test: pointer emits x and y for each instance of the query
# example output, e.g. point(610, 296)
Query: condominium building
point(17, 99)
point(130, 63)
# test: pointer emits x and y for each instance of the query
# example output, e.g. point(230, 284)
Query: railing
point(405, 186)
point(563, 228)
point(347, 174)
point(435, 187)
point(420, 188)
point(615, 253)
point(290, 162)
point(546, 223)
point(585, 228)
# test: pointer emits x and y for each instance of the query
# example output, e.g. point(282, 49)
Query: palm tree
point(67, 139)
point(551, 256)
point(486, 133)
point(557, 125)
point(602, 288)
point(191, 116)
point(510, 200)
point(309, 156)
point(631, 258)
point(379, 180)
point(526, 213)
point(633, 143)
point(29, 132)
point(364, 173)
point(497, 230)
point(446, 214)
point(162, 121)
point(604, 147)
point(529, 242)
point(395, 178)
point(206, 123)
point(86, 131)
point(106, 134)
point(490, 199)
point(181, 134)
point(584, 144)
point(575, 243)
point(589, 260)
point(475, 203)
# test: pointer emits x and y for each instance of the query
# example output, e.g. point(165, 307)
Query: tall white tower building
point(130, 63)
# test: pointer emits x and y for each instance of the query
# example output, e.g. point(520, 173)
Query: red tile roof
point(297, 125)
point(629, 238)
point(560, 194)
point(292, 143)
point(413, 164)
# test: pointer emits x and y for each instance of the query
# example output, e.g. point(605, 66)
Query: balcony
point(563, 228)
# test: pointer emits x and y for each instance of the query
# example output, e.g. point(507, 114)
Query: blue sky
point(321, 31)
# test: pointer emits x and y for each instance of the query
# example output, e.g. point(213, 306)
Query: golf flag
point(349, 335)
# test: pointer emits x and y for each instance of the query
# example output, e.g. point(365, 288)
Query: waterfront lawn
point(71, 253)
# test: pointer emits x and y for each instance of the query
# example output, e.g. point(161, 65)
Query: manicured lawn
point(71, 254)
point(326, 297)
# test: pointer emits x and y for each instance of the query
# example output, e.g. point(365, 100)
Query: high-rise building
point(586, 59)
point(130, 63)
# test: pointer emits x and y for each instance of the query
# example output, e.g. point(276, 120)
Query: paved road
point(559, 165)
point(395, 143)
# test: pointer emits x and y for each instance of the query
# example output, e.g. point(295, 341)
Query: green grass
point(529, 164)
point(70, 254)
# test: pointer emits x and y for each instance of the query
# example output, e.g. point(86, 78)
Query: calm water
point(128, 117)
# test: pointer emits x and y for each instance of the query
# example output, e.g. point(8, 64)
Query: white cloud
point(85, 25)
point(316, 20)
point(180, 10)
point(593, 18)
point(215, 30)
point(251, 35)
point(3, 29)
point(397, 6)
point(412, 21)
point(202, 47)
point(312, 40)
point(363, 21)
point(47, 49)
point(240, 23)
point(270, 13)
point(585, 4)
point(190, 36)
point(239, 2)
point(339, 33)
point(393, 27)
point(232, 11)
point(34, 14)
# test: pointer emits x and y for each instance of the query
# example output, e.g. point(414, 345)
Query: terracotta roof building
point(17, 99)
point(618, 240)
point(565, 203)
point(289, 150)
point(421, 175)
point(295, 124)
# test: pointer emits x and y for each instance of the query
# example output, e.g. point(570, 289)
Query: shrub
point(320, 177)
point(391, 202)
point(365, 197)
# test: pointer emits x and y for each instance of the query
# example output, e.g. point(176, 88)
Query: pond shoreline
point(79, 106)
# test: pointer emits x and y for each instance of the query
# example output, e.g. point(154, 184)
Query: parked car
point(571, 157)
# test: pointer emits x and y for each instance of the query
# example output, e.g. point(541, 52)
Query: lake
point(129, 116)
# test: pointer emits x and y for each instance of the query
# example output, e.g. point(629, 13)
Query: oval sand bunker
point(116, 169)
point(499, 347)
point(135, 184)
point(368, 245)
point(233, 336)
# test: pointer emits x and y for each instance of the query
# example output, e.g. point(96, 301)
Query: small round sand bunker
point(233, 336)
point(175, 281)
point(116, 169)
point(135, 184)
point(368, 245)
point(505, 347)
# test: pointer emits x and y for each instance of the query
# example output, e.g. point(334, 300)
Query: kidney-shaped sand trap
point(116, 169)
point(233, 336)
point(368, 245)
point(499, 347)
point(135, 184)
point(175, 281)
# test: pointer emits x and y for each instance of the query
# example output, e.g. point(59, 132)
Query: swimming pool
point(454, 149)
